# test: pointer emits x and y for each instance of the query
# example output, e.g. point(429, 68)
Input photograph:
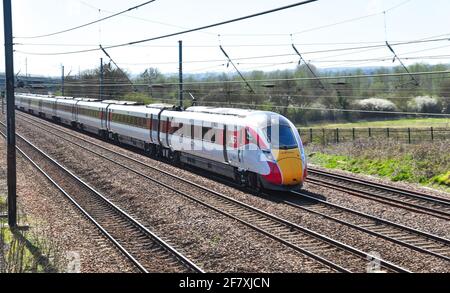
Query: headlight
point(268, 155)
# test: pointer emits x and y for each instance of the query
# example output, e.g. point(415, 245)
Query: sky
point(325, 25)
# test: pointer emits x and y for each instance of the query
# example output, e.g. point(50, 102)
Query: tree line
point(293, 93)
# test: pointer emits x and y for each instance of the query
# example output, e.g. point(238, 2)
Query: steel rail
point(425, 205)
point(375, 229)
point(385, 187)
point(168, 248)
point(378, 227)
point(269, 216)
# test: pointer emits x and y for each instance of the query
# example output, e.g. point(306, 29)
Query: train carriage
point(29, 103)
point(127, 122)
point(47, 107)
point(255, 148)
point(21, 102)
point(65, 110)
point(88, 115)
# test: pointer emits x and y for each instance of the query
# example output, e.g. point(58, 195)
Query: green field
point(400, 123)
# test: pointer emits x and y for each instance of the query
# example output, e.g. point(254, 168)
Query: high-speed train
point(259, 149)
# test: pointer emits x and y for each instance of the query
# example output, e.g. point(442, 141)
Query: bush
point(138, 97)
point(425, 104)
point(374, 104)
point(445, 105)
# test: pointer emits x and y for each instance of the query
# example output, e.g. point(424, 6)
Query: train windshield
point(283, 138)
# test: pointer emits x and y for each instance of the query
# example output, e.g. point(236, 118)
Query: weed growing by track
point(28, 250)
point(425, 163)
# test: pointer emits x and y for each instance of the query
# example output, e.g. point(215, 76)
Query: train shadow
point(302, 198)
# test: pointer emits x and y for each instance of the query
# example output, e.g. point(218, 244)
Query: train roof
point(203, 113)
point(63, 98)
point(87, 99)
point(123, 103)
point(161, 106)
point(242, 113)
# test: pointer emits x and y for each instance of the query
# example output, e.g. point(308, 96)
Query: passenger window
point(205, 130)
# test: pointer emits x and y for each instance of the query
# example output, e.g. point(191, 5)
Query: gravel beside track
point(51, 216)
point(140, 245)
point(404, 185)
point(418, 221)
point(400, 234)
point(417, 202)
point(394, 253)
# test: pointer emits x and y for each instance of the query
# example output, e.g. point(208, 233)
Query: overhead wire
point(117, 66)
point(141, 18)
point(168, 83)
point(79, 91)
point(237, 70)
point(309, 52)
point(86, 24)
point(308, 66)
point(228, 45)
point(324, 26)
point(331, 109)
point(246, 58)
point(396, 57)
point(195, 29)
point(356, 76)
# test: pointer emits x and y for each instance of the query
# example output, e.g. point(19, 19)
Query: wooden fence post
point(353, 134)
point(337, 135)
point(432, 133)
point(387, 132)
point(310, 135)
point(409, 135)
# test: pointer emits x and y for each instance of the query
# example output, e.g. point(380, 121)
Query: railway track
point(147, 251)
point(405, 199)
point(325, 252)
point(412, 238)
point(415, 239)
point(400, 234)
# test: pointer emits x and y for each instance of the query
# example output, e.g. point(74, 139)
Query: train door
point(75, 112)
point(168, 128)
point(234, 146)
point(224, 143)
point(242, 144)
point(231, 144)
point(104, 117)
point(55, 109)
point(150, 127)
point(109, 117)
point(192, 134)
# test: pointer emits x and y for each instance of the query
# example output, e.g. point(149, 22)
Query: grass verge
point(426, 163)
point(27, 250)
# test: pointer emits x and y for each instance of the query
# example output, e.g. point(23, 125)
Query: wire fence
point(340, 135)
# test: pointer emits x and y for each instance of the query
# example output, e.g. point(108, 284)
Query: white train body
point(257, 148)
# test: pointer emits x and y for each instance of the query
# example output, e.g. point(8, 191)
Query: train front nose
point(290, 165)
